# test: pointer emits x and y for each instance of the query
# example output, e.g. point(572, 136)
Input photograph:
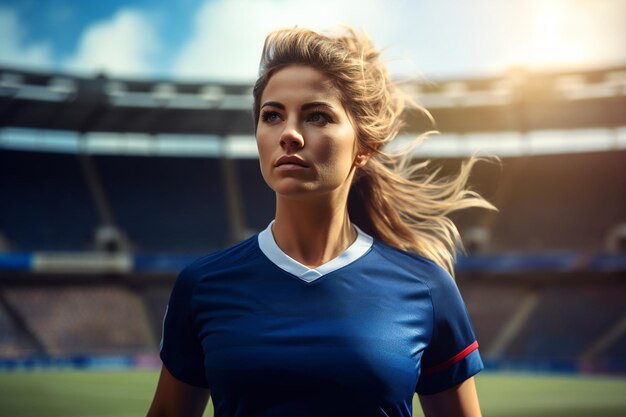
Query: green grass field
point(128, 394)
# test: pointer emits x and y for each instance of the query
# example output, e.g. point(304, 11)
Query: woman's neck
point(312, 233)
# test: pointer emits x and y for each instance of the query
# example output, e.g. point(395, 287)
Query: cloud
point(228, 35)
point(124, 45)
point(14, 51)
point(441, 39)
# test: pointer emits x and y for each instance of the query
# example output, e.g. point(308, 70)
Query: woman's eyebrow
point(305, 106)
point(312, 104)
point(274, 104)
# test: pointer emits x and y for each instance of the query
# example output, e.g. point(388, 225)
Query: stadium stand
point(12, 340)
point(491, 306)
point(84, 320)
point(616, 349)
point(553, 193)
point(166, 204)
point(549, 202)
point(257, 198)
point(48, 205)
point(568, 319)
point(156, 298)
point(567, 201)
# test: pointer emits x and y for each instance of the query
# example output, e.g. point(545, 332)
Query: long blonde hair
point(391, 198)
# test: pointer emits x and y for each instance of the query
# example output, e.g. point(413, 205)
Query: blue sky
point(222, 39)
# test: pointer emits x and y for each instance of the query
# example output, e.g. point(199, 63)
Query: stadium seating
point(491, 305)
point(156, 298)
point(258, 200)
point(548, 203)
point(166, 204)
point(569, 319)
point(46, 202)
point(105, 319)
point(12, 341)
point(177, 204)
point(617, 350)
point(563, 201)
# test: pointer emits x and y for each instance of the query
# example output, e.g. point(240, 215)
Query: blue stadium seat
point(257, 199)
point(46, 203)
point(166, 204)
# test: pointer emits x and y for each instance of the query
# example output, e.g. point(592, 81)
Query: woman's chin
point(296, 191)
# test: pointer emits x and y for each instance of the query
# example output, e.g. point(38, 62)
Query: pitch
point(128, 394)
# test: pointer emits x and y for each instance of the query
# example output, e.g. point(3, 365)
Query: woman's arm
point(458, 401)
point(174, 398)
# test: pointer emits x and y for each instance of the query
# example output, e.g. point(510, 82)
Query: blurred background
point(127, 151)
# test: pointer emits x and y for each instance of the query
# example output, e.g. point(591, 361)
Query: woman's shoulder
point(403, 257)
point(221, 258)
point(422, 268)
point(441, 286)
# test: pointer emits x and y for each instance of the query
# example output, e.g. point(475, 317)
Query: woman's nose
point(291, 138)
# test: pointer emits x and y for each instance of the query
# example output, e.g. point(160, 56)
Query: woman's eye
point(320, 118)
point(270, 116)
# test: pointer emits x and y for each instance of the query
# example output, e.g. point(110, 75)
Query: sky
point(221, 40)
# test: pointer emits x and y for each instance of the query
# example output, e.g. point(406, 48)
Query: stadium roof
point(519, 101)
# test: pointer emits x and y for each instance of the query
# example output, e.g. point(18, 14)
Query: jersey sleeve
point(181, 350)
point(452, 355)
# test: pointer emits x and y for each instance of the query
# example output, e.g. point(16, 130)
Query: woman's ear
point(363, 154)
point(361, 158)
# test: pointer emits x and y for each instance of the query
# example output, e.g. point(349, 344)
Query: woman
point(345, 304)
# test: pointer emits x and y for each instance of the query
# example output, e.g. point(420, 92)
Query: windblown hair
point(391, 198)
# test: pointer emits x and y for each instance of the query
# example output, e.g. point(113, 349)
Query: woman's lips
point(290, 167)
point(290, 162)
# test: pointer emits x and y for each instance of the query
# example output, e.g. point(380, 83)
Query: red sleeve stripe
point(456, 358)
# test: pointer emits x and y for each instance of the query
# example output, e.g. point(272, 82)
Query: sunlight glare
point(553, 40)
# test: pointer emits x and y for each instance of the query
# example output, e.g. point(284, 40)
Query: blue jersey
point(357, 336)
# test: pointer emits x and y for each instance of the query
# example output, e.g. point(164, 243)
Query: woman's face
point(307, 145)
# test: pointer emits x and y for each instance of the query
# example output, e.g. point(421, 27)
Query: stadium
point(110, 186)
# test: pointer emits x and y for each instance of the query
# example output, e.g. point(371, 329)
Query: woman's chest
point(283, 338)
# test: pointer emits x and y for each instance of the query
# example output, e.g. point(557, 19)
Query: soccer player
point(345, 304)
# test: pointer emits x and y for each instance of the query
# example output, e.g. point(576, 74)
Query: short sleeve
point(452, 355)
point(181, 350)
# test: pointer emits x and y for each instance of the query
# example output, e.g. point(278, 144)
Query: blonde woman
point(345, 304)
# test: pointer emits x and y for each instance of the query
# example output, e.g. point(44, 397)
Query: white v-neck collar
point(270, 249)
